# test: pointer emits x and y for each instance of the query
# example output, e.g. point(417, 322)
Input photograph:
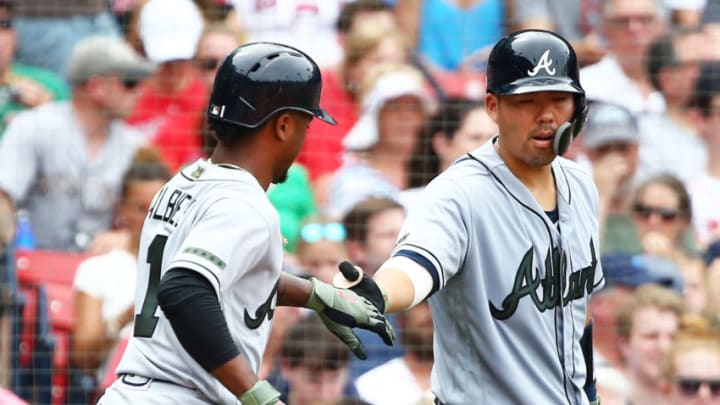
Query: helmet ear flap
point(580, 116)
point(568, 131)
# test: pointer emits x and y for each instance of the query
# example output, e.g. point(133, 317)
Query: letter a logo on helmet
point(532, 61)
point(544, 63)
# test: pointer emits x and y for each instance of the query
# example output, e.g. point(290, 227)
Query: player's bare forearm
point(236, 375)
point(398, 286)
point(293, 291)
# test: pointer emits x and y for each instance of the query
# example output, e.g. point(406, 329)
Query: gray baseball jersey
point(215, 220)
point(511, 288)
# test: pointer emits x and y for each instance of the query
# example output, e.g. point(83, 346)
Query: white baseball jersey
point(512, 287)
point(215, 220)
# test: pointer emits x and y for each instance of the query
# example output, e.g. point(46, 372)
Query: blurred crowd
point(102, 101)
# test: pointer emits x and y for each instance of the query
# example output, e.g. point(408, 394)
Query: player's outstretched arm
point(339, 309)
point(392, 284)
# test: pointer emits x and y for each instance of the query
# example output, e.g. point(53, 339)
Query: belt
point(125, 378)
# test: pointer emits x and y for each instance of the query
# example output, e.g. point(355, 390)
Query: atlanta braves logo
point(265, 310)
point(547, 293)
point(544, 63)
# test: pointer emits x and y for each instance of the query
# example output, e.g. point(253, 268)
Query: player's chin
point(540, 157)
point(280, 177)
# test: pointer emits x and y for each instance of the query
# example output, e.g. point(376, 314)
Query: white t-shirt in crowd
point(391, 383)
point(704, 195)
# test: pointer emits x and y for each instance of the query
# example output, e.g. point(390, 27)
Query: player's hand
point(353, 278)
point(342, 309)
point(262, 393)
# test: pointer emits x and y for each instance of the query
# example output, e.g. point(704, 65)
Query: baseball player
point(210, 258)
point(505, 243)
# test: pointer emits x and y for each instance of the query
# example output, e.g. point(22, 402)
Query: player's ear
point(492, 103)
point(283, 126)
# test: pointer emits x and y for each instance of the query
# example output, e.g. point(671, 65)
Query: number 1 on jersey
point(146, 321)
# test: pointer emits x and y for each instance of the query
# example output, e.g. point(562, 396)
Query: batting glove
point(341, 310)
point(353, 278)
point(262, 393)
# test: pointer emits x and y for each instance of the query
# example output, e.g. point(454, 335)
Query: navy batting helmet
point(259, 79)
point(531, 61)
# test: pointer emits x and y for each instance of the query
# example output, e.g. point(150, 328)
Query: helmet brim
point(324, 116)
point(535, 85)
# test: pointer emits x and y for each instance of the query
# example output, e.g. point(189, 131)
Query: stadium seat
point(47, 266)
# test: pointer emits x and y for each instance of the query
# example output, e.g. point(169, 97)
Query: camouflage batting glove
point(262, 393)
point(341, 310)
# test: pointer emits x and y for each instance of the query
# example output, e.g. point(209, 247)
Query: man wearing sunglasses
point(64, 161)
point(692, 368)
point(610, 139)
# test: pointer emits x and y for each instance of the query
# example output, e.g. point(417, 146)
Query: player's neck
point(539, 180)
point(244, 159)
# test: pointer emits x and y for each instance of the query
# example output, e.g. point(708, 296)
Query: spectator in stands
point(216, 42)
point(705, 189)
point(662, 214)
point(308, 25)
point(692, 368)
point(356, 13)
point(381, 144)
point(64, 161)
point(458, 126)
point(372, 228)
point(610, 143)
point(447, 34)
point(367, 45)
point(686, 13)
point(48, 30)
point(669, 141)
point(170, 110)
point(576, 21)
point(621, 76)
point(321, 247)
point(315, 364)
point(647, 324)
point(22, 86)
point(105, 284)
point(404, 380)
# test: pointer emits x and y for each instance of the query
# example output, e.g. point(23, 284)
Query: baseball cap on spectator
point(103, 55)
point(609, 123)
point(388, 86)
point(170, 29)
point(635, 270)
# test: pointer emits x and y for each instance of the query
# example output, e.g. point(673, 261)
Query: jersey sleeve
point(435, 233)
point(228, 240)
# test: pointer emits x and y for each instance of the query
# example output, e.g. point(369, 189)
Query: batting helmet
point(531, 61)
point(259, 79)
